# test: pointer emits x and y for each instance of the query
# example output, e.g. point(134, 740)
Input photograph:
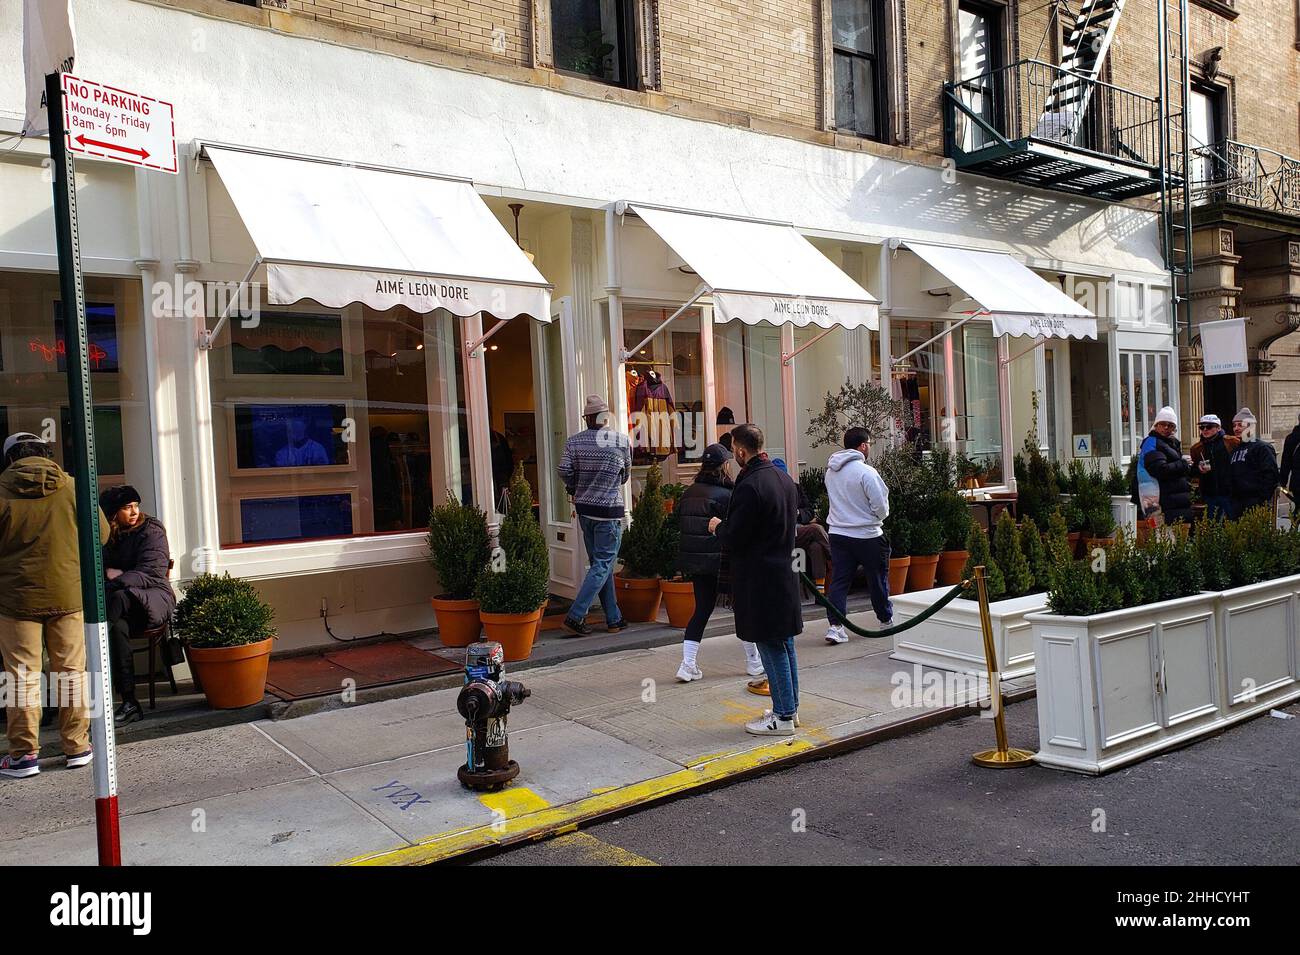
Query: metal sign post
point(73, 300)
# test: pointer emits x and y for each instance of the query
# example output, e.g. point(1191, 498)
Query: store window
point(596, 39)
point(34, 379)
point(1090, 393)
point(336, 424)
point(665, 390)
point(858, 39)
point(1144, 390)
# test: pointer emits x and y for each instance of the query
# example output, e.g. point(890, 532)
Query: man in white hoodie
point(859, 505)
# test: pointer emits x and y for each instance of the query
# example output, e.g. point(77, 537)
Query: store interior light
point(493, 347)
point(420, 347)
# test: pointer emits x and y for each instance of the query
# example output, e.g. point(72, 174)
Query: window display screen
point(295, 518)
point(101, 339)
point(289, 436)
point(109, 458)
point(289, 343)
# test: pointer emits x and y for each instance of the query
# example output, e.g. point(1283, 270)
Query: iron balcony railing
point(1040, 102)
point(1243, 174)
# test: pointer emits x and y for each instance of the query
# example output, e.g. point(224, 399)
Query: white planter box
point(952, 638)
point(1118, 687)
point(1125, 512)
point(1259, 646)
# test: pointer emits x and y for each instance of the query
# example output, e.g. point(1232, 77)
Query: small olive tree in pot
point(227, 629)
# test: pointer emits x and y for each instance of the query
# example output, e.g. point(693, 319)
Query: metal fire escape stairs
point(1083, 53)
point(1176, 173)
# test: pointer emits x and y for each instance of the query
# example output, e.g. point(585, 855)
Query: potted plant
point(1010, 556)
point(512, 589)
point(954, 514)
point(970, 473)
point(641, 554)
point(678, 592)
point(927, 542)
point(227, 630)
point(981, 553)
point(459, 549)
point(1094, 506)
point(899, 533)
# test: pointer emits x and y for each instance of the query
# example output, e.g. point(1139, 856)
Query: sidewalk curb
point(465, 845)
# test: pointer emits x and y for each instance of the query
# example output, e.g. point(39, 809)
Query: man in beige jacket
point(40, 604)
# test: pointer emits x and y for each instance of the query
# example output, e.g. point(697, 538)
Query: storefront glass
point(1144, 390)
point(664, 382)
point(336, 424)
point(34, 381)
point(1090, 393)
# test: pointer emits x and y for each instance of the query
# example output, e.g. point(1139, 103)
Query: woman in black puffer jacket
point(701, 557)
point(1161, 464)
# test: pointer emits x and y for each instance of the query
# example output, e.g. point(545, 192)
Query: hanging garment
point(654, 402)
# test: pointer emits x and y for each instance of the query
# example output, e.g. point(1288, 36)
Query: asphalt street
point(1229, 799)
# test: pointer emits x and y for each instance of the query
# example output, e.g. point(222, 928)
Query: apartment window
point(858, 37)
point(1206, 131)
point(979, 44)
point(596, 39)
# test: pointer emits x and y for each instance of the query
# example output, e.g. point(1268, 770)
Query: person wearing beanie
point(595, 465)
point(137, 594)
point(1211, 463)
point(1254, 466)
point(1160, 480)
point(702, 557)
point(40, 603)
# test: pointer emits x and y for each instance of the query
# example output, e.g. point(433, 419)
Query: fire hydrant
point(485, 702)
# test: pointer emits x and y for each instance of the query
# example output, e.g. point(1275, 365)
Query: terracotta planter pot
point(1076, 543)
point(898, 567)
point(638, 598)
point(920, 575)
point(232, 677)
point(458, 622)
point(1090, 543)
point(951, 564)
point(514, 631)
point(679, 599)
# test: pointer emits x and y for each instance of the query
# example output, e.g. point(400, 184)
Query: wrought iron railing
point(1033, 100)
point(1247, 175)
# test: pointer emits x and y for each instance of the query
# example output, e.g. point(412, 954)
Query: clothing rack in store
point(665, 364)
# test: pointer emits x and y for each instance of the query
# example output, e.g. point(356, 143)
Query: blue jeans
point(1218, 505)
point(601, 538)
point(782, 676)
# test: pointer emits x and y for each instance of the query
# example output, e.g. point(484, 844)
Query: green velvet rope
point(924, 615)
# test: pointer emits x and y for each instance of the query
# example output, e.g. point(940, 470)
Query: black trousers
point(124, 614)
point(706, 597)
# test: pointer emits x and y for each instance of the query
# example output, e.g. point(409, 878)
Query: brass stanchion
point(1002, 757)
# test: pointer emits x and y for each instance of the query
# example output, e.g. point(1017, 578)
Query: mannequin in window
point(654, 402)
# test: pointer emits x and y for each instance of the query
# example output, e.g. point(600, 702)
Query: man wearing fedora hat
point(40, 602)
point(596, 463)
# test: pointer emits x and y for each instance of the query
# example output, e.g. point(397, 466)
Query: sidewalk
point(376, 783)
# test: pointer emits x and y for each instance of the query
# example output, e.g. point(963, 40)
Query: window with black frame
point(596, 39)
point(979, 44)
point(858, 39)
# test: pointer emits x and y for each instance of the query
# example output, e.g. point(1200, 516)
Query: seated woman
point(137, 594)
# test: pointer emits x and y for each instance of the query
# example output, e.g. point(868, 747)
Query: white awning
point(763, 272)
point(1018, 301)
point(341, 234)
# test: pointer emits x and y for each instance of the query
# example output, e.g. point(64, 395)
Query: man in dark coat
point(1290, 465)
point(1162, 472)
point(758, 533)
point(137, 594)
point(701, 558)
point(1254, 466)
point(1211, 458)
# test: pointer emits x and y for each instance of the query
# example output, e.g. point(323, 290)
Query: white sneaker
point(769, 725)
point(837, 634)
point(754, 669)
point(686, 674)
point(797, 724)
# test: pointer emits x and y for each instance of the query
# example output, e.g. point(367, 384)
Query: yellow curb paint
point(545, 821)
point(595, 851)
point(603, 789)
point(514, 801)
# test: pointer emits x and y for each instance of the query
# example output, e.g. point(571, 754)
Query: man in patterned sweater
point(595, 465)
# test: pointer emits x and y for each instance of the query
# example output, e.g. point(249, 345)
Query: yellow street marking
point(455, 842)
point(603, 789)
point(514, 801)
point(595, 851)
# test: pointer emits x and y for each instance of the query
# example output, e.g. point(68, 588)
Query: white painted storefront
point(193, 422)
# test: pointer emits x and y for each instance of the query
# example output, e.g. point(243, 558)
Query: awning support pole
point(627, 353)
point(1040, 340)
point(789, 357)
point(472, 349)
point(207, 338)
point(947, 331)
